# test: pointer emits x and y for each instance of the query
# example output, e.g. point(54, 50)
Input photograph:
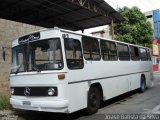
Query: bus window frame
point(129, 56)
point(84, 37)
point(111, 42)
point(141, 58)
point(134, 58)
point(149, 55)
point(80, 51)
point(60, 53)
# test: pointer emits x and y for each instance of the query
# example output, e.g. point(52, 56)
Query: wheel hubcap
point(142, 85)
point(93, 100)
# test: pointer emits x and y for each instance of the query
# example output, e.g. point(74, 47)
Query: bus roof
point(81, 34)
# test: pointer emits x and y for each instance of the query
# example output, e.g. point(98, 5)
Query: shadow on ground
point(32, 115)
point(119, 99)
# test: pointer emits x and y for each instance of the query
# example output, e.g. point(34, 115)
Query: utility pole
point(112, 28)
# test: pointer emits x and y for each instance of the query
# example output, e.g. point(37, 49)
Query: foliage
point(4, 102)
point(135, 29)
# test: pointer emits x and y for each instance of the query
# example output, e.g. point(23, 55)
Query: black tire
point(93, 100)
point(142, 85)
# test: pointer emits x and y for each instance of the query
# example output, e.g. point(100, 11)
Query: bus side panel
point(115, 77)
point(141, 67)
point(113, 87)
point(134, 81)
point(77, 96)
point(76, 90)
point(148, 78)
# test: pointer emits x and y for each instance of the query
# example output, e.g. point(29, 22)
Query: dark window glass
point(108, 50)
point(91, 48)
point(134, 51)
point(123, 52)
point(149, 55)
point(143, 54)
point(18, 59)
point(73, 53)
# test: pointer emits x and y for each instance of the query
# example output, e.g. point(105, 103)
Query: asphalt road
point(130, 103)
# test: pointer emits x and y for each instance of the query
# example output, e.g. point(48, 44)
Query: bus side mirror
point(3, 53)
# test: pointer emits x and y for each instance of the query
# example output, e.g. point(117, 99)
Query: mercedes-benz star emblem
point(27, 91)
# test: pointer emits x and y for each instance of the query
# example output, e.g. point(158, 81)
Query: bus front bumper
point(38, 105)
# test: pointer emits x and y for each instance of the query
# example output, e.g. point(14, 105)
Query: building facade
point(154, 18)
point(149, 16)
point(104, 32)
point(156, 21)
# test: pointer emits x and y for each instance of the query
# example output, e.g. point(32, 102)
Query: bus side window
point(91, 48)
point(143, 54)
point(134, 52)
point(123, 52)
point(108, 50)
point(149, 55)
point(73, 53)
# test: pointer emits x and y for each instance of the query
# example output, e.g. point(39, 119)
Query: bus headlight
point(12, 91)
point(51, 91)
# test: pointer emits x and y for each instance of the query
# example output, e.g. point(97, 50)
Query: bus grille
point(33, 91)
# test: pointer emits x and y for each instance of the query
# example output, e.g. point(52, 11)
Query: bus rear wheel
point(142, 84)
point(93, 100)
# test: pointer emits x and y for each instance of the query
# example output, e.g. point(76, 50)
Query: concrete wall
point(9, 31)
point(149, 16)
point(105, 33)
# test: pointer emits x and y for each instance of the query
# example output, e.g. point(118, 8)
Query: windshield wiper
point(35, 68)
point(18, 68)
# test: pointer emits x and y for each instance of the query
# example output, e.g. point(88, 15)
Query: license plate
point(26, 103)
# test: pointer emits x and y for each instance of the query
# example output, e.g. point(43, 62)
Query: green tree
point(135, 29)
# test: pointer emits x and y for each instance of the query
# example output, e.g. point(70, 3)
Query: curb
point(156, 72)
point(6, 112)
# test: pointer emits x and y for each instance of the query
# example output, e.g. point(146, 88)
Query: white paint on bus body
point(115, 77)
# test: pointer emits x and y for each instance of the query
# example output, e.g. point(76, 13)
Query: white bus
point(57, 70)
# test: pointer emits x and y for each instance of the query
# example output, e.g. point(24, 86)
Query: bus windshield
point(37, 56)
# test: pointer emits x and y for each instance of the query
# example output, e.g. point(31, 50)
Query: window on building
point(73, 53)
point(149, 16)
point(134, 52)
point(123, 51)
point(108, 50)
point(91, 48)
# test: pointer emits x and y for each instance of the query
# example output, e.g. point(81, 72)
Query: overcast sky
point(144, 5)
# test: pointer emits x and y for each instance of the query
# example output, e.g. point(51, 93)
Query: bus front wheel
point(93, 100)
point(142, 84)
